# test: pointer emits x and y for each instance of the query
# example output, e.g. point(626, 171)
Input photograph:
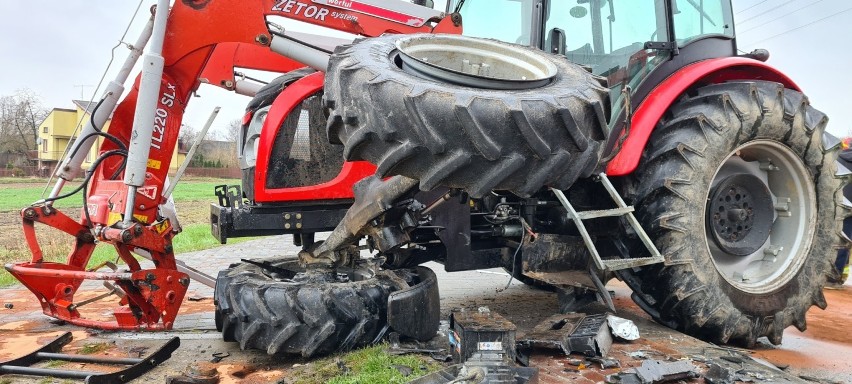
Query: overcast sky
point(52, 47)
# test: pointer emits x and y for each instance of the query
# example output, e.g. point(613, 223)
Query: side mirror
point(557, 41)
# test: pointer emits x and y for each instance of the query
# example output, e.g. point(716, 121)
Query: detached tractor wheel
point(738, 191)
point(278, 307)
point(466, 113)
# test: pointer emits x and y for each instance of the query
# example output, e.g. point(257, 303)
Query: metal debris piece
point(9, 305)
point(606, 363)
point(572, 332)
point(480, 372)
point(717, 374)
point(622, 328)
point(218, 356)
point(656, 371)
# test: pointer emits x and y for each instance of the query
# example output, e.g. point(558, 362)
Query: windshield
point(609, 36)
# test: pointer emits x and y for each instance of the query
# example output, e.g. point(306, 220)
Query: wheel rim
point(473, 62)
point(761, 260)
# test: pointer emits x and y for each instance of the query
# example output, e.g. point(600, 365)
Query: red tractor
point(592, 139)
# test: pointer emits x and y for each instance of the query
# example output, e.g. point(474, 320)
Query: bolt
point(150, 277)
point(298, 216)
point(137, 230)
point(298, 225)
point(184, 281)
point(169, 279)
point(286, 216)
point(170, 296)
point(30, 213)
point(262, 39)
point(126, 236)
point(87, 237)
point(287, 226)
point(229, 84)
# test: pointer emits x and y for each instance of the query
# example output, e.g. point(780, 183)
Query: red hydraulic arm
point(204, 41)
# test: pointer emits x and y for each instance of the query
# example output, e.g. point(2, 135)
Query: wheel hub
point(473, 62)
point(741, 214)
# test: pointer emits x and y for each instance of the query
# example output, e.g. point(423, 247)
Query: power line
point(783, 16)
point(802, 26)
point(752, 7)
point(762, 14)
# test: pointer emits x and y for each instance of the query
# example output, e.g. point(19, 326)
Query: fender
point(338, 188)
point(651, 109)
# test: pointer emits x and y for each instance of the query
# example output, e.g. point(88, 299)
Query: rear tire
point(700, 289)
point(309, 314)
point(464, 137)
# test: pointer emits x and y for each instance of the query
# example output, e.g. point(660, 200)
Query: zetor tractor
point(516, 156)
point(585, 140)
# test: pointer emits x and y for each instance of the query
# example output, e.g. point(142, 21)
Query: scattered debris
point(575, 362)
point(606, 363)
point(656, 371)
point(484, 343)
point(404, 370)
point(413, 346)
point(622, 328)
point(197, 297)
point(638, 355)
point(480, 372)
point(733, 359)
point(9, 305)
point(345, 370)
point(716, 374)
point(218, 356)
point(572, 332)
point(196, 374)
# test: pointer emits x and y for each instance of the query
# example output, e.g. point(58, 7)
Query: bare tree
point(188, 135)
point(20, 116)
point(232, 131)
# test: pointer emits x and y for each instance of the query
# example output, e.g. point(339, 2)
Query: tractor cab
point(625, 42)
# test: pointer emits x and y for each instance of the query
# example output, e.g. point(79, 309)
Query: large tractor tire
point(473, 137)
point(738, 191)
point(276, 306)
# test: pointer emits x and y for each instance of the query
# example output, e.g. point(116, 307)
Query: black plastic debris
point(656, 371)
point(572, 332)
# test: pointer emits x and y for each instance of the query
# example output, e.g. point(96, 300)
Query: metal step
point(622, 210)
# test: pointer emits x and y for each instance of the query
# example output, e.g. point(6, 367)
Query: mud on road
point(819, 353)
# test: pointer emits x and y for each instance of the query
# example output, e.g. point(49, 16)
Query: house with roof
point(58, 131)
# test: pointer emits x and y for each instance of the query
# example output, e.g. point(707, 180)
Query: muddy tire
point(461, 136)
point(720, 282)
point(283, 311)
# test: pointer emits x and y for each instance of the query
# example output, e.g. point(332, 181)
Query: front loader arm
point(201, 41)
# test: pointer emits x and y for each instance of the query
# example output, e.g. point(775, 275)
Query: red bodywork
point(338, 188)
point(664, 94)
point(205, 40)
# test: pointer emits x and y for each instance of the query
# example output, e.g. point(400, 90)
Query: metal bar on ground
point(88, 358)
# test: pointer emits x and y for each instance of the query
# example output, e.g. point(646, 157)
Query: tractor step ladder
point(622, 210)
